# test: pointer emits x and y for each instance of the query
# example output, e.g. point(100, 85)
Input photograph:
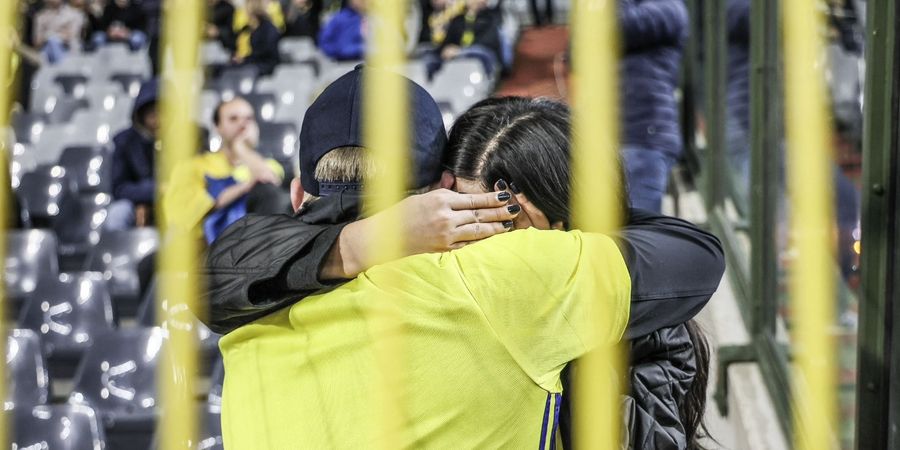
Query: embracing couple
point(496, 296)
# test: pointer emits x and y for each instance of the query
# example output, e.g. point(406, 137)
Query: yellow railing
point(596, 191)
point(812, 223)
point(178, 258)
point(8, 35)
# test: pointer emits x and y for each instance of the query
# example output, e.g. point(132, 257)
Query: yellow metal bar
point(386, 135)
point(178, 258)
point(8, 37)
point(812, 222)
point(596, 206)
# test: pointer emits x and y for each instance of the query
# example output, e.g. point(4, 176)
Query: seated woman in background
point(473, 34)
point(257, 41)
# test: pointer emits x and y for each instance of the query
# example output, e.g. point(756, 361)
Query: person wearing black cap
point(133, 166)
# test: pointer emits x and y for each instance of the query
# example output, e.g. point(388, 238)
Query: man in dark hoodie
point(133, 181)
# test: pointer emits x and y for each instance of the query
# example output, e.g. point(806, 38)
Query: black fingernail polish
point(513, 209)
point(501, 185)
point(503, 196)
point(508, 224)
point(515, 188)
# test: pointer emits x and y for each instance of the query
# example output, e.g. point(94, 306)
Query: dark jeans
point(647, 176)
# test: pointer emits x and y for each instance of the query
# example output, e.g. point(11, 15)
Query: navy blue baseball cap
point(335, 120)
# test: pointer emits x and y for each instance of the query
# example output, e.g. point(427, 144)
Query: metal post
point(812, 290)
point(877, 387)
point(714, 99)
point(596, 198)
point(178, 258)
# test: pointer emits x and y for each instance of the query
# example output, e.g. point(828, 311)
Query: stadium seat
point(78, 229)
point(88, 168)
point(295, 74)
point(56, 427)
point(216, 383)
point(129, 81)
point(104, 96)
point(185, 319)
point(278, 140)
point(264, 105)
point(297, 49)
point(42, 194)
point(72, 84)
point(68, 314)
point(44, 98)
point(209, 99)
point(238, 80)
point(213, 53)
point(465, 72)
point(30, 259)
point(117, 255)
point(54, 139)
point(28, 125)
point(64, 109)
point(23, 161)
point(117, 376)
point(27, 379)
point(113, 51)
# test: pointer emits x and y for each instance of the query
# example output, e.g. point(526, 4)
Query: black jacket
point(264, 263)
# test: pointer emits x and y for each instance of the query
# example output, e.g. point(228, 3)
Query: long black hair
point(527, 141)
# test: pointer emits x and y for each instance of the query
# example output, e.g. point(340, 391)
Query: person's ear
point(447, 180)
point(296, 194)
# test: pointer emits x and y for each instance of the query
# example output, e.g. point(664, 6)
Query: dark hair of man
point(520, 140)
point(218, 109)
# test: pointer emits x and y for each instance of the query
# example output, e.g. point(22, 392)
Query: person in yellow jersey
point(484, 331)
point(214, 189)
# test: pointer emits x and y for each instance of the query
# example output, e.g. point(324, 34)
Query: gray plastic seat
point(28, 125)
point(27, 381)
point(65, 108)
point(88, 168)
point(30, 259)
point(216, 384)
point(209, 436)
point(23, 161)
point(239, 80)
point(297, 49)
point(56, 427)
point(278, 140)
point(264, 105)
point(78, 229)
point(214, 53)
point(184, 320)
point(68, 314)
point(117, 376)
point(72, 84)
point(130, 82)
point(117, 256)
point(42, 194)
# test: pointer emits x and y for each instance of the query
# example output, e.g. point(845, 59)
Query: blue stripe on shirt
point(544, 425)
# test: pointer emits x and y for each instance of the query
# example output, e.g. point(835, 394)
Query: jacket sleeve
point(652, 23)
point(675, 268)
point(263, 263)
point(124, 184)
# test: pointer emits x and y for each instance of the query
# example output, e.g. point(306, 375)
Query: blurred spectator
point(219, 22)
point(93, 11)
point(57, 30)
point(440, 13)
point(217, 188)
point(122, 21)
point(272, 8)
point(302, 18)
point(344, 36)
point(653, 34)
point(473, 34)
point(257, 42)
point(133, 181)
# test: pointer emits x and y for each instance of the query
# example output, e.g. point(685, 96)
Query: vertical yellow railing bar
point(8, 16)
point(386, 135)
point(812, 222)
point(597, 188)
point(178, 258)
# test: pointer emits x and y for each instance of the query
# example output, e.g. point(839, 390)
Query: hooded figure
point(133, 180)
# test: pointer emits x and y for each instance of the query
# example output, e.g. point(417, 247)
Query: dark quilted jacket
point(653, 34)
point(738, 96)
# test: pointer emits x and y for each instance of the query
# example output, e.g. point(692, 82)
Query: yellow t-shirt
point(485, 332)
point(187, 201)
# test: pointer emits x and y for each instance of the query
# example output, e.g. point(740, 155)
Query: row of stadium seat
point(114, 399)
